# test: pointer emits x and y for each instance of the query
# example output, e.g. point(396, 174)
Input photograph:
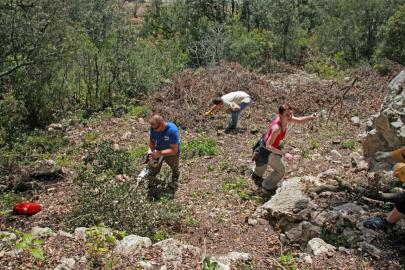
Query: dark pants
point(173, 162)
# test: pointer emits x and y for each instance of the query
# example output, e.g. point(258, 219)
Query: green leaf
point(38, 253)
point(21, 245)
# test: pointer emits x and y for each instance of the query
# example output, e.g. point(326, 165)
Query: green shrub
point(201, 146)
point(324, 67)
point(138, 111)
point(393, 36)
point(250, 49)
point(118, 203)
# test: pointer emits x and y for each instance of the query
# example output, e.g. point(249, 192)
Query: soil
point(220, 213)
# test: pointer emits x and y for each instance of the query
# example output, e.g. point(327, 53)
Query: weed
point(240, 186)
point(224, 165)
point(160, 235)
point(92, 136)
point(191, 220)
point(201, 146)
point(26, 242)
point(315, 145)
point(348, 144)
point(211, 167)
point(99, 240)
point(209, 264)
point(288, 261)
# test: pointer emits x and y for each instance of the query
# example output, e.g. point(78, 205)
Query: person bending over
point(235, 103)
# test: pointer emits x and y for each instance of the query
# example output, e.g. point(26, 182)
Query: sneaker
point(377, 223)
point(257, 179)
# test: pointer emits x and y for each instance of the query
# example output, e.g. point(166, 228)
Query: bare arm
point(213, 108)
point(269, 145)
point(303, 119)
point(174, 148)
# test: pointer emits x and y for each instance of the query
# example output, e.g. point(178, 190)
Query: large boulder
point(388, 126)
point(290, 205)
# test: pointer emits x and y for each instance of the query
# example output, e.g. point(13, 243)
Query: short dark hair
point(284, 107)
point(217, 100)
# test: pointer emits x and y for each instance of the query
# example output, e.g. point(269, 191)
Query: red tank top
point(280, 136)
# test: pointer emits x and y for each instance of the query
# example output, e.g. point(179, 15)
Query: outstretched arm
point(213, 108)
point(303, 119)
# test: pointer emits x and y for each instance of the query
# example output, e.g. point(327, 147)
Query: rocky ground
point(288, 230)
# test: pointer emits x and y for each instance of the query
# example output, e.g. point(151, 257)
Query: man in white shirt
point(235, 102)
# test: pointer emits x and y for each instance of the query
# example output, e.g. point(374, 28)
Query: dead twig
point(346, 89)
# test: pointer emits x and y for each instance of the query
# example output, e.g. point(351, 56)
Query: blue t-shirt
point(165, 138)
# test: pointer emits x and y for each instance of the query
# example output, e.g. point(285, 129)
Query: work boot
point(257, 180)
point(377, 223)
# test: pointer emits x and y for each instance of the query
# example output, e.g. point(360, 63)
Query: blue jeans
point(235, 115)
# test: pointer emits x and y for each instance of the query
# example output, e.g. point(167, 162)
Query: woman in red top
point(275, 134)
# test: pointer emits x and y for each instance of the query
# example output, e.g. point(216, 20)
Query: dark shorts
point(400, 204)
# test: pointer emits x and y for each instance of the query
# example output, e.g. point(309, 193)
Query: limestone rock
point(355, 121)
point(132, 243)
point(388, 126)
point(172, 252)
point(225, 262)
point(80, 233)
point(66, 264)
point(42, 232)
point(303, 232)
point(6, 237)
point(289, 205)
point(318, 247)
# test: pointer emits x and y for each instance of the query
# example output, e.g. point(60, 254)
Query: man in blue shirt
point(164, 141)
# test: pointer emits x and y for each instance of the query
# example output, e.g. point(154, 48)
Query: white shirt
point(237, 97)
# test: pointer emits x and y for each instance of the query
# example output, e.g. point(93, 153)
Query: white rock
point(115, 147)
point(355, 121)
point(252, 221)
point(172, 251)
point(126, 135)
point(65, 234)
point(80, 233)
point(7, 236)
point(132, 243)
point(145, 265)
point(233, 257)
point(318, 247)
point(42, 232)
point(55, 126)
point(66, 264)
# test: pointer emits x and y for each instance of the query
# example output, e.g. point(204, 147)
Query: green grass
point(201, 146)
point(348, 144)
